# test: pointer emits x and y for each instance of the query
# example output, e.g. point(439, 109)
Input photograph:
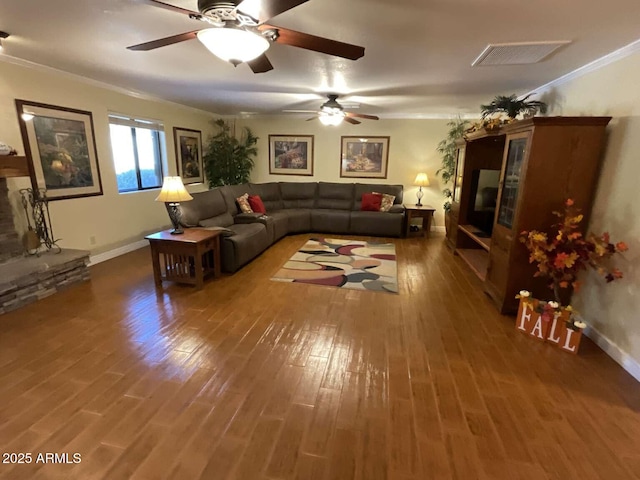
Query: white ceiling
point(417, 60)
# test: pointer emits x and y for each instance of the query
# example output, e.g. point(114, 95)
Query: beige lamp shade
point(173, 191)
point(422, 180)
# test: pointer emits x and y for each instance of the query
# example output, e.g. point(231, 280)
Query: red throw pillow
point(371, 202)
point(256, 204)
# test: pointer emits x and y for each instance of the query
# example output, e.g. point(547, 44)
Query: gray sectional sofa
point(291, 208)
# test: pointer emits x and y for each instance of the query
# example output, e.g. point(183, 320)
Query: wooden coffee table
point(185, 258)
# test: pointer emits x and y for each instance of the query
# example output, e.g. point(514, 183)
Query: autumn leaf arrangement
point(561, 256)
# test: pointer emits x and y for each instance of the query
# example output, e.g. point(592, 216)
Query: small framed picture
point(60, 145)
point(364, 157)
point(189, 154)
point(291, 155)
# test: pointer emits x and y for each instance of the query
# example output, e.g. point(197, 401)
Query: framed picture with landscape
point(364, 157)
point(291, 154)
point(60, 145)
point(189, 154)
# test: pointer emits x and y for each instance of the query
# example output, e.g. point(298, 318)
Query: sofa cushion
point(376, 223)
point(387, 201)
point(249, 241)
point(204, 205)
point(371, 202)
point(328, 220)
point(230, 193)
point(256, 204)
point(243, 203)
point(269, 194)
point(298, 195)
point(223, 220)
point(279, 222)
point(336, 196)
point(360, 188)
point(298, 219)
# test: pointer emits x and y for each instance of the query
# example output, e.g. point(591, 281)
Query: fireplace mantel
point(13, 166)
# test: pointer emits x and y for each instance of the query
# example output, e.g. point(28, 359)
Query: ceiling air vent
point(516, 53)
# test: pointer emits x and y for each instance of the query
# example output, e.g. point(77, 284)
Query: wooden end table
point(414, 211)
point(185, 258)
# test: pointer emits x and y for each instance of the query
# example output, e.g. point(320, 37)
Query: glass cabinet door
point(457, 180)
point(511, 181)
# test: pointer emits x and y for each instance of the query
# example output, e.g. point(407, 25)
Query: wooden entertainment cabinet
point(542, 161)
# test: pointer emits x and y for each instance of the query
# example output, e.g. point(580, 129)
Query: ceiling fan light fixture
point(233, 45)
point(330, 119)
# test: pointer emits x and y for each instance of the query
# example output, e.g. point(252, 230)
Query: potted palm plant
point(447, 149)
point(513, 106)
point(227, 159)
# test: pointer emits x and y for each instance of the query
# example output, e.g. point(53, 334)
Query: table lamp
point(422, 180)
point(172, 193)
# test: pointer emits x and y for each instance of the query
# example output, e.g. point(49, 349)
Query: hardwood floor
point(254, 379)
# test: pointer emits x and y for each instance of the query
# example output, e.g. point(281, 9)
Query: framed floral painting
point(60, 145)
point(291, 155)
point(189, 154)
point(364, 157)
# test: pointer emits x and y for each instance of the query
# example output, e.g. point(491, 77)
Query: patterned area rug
point(343, 263)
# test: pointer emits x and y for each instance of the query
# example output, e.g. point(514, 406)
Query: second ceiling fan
point(332, 113)
point(236, 32)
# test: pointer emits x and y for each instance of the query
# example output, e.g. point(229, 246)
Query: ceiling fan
point(332, 113)
point(236, 32)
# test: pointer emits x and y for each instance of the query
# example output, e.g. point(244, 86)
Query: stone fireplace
point(27, 278)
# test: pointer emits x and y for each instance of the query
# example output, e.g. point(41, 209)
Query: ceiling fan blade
point(317, 44)
point(260, 64)
point(172, 8)
point(163, 42)
point(361, 115)
point(312, 118)
point(352, 121)
point(263, 10)
point(299, 111)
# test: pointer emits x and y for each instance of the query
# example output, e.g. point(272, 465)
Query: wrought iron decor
point(36, 206)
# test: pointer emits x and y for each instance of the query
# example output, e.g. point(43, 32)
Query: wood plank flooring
point(254, 379)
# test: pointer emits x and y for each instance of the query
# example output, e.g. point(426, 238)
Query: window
point(138, 152)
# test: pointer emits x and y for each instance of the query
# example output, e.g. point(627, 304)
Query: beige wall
point(412, 149)
point(113, 219)
point(613, 90)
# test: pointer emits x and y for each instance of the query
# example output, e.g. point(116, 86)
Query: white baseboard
point(116, 252)
point(631, 365)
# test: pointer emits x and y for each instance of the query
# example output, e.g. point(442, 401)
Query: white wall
point(412, 149)
point(613, 90)
point(113, 219)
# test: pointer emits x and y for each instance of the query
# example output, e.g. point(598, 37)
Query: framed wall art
point(291, 155)
point(189, 154)
point(364, 157)
point(60, 145)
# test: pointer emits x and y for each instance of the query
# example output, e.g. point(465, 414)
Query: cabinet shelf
point(13, 166)
point(477, 259)
point(475, 234)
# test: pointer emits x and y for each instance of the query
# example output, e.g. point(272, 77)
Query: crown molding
point(597, 64)
point(97, 83)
